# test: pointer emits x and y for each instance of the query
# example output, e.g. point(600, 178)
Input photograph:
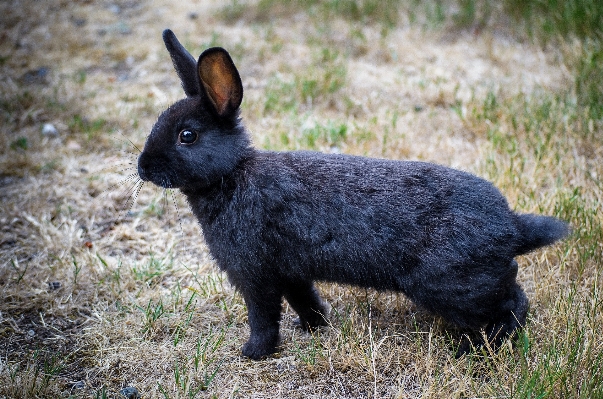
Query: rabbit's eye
point(187, 137)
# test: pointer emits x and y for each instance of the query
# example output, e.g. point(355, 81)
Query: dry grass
point(97, 296)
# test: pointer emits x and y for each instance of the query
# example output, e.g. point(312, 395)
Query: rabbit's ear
point(220, 80)
point(184, 63)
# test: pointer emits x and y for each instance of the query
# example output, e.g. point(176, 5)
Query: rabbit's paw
point(314, 318)
point(310, 325)
point(259, 348)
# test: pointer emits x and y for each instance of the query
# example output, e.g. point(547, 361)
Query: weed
point(549, 19)
point(208, 284)
point(194, 374)
point(20, 273)
point(386, 12)
point(588, 230)
point(77, 268)
point(317, 84)
point(153, 270)
point(90, 128)
point(52, 165)
point(332, 134)
point(467, 13)
point(308, 352)
point(157, 207)
point(589, 81)
point(20, 143)
point(189, 310)
point(152, 312)
point(568, 364)
point(113, 275)
point(33, 376)
point(431, 13)
point(80, 76)
point(101, 394)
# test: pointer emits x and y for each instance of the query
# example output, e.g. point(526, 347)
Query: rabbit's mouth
point(158, 181)
point(149, 172)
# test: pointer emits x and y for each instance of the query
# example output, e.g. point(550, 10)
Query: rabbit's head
point(199, 139)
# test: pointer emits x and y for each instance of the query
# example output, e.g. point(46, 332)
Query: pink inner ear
point(218, 99)
point(218, 81)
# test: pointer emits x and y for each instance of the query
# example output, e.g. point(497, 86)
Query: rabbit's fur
point(275, 222)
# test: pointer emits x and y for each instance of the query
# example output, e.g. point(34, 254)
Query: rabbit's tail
point(538, 231)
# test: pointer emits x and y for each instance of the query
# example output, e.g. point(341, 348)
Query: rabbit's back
point(355, 220)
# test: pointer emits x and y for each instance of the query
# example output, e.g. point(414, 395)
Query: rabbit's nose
point(143, 166)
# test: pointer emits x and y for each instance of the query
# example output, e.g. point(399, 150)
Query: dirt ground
point(82, 268)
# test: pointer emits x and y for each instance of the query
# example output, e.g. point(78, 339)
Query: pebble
point(114, 8)
point(73, 145)
point(78, 21)
point(130, 393)
point(48, 129)
point(36, 76)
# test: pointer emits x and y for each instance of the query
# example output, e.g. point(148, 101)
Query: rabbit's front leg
point(264, 313)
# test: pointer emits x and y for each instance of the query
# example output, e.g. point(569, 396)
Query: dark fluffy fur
point(276, 222)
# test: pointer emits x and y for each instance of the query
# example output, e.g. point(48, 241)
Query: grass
point(97, 297)
point(318, 84)
point(551, 18)
point(366, 11)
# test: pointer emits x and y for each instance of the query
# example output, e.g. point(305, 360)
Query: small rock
point(193, 15)
point(123, 28)
point(36, 76)
point(48, 129)
point(115, 9)
point(73, 145)
point(130, 393)
point(78, 21)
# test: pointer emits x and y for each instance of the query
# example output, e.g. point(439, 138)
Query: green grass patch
point(549, 19)
point(319, 83)
point(589, 79)
point(20, 143)
point(331, 134)
point(89, 127)
point(386, 12)
point(568, 364)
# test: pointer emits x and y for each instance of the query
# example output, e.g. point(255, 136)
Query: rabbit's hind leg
point(304, 299)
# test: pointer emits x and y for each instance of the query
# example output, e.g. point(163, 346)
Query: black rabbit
point(275, 222)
